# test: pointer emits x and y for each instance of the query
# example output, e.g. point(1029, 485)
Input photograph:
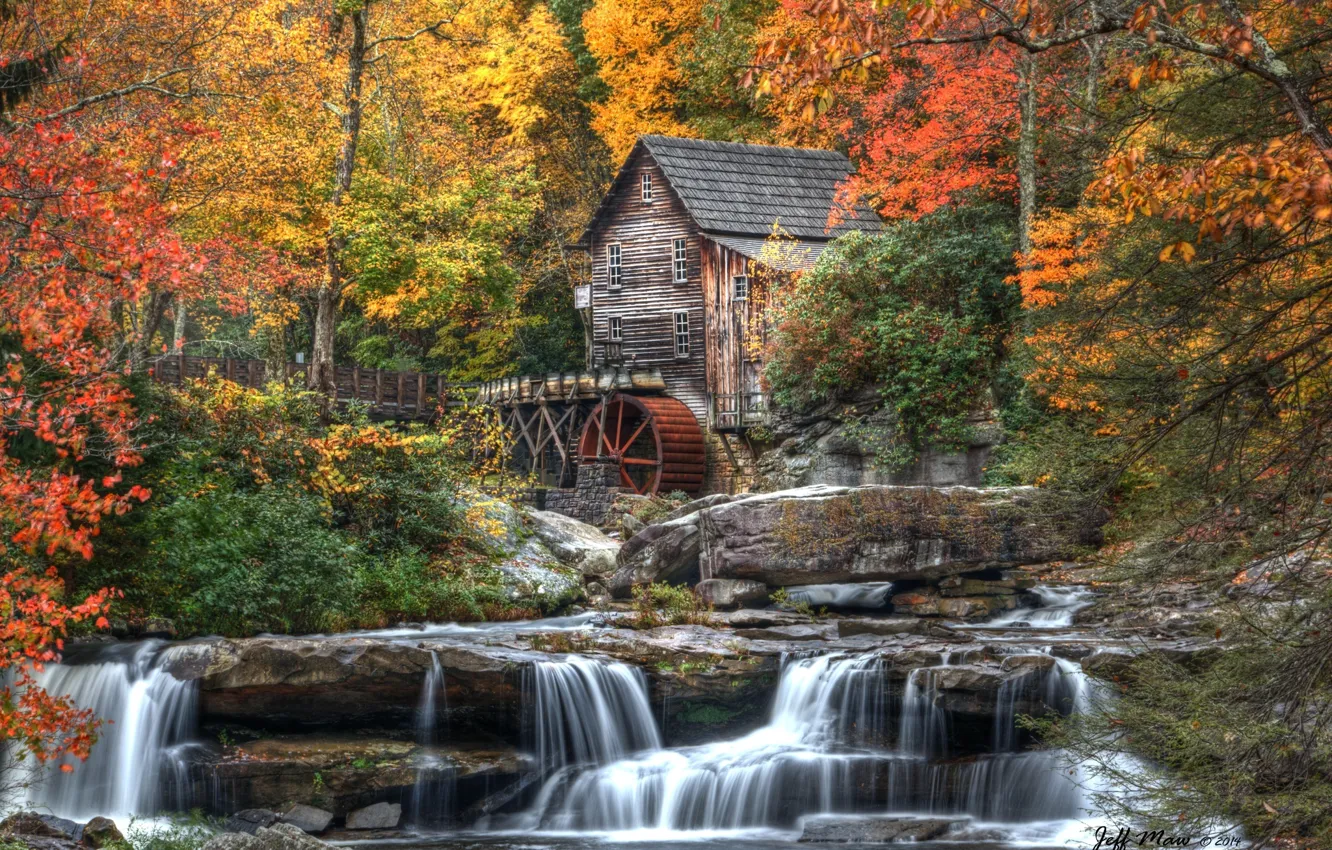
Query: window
point(613, 270)
point(741, 290)
point(616, 329)
point(678, 256)
point(647, 188)
point(681, 333)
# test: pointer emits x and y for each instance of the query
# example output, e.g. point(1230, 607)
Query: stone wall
point(588, 501)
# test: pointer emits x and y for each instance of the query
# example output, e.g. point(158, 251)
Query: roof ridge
point(785, 148)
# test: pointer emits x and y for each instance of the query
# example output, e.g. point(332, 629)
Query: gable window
point(616, 333)
point(647, 188)
point(614, 272)
point(740, 287)
point(681, 333)
point(679, 261)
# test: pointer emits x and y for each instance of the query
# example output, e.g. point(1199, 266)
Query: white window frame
point(615, 328)
point(680, 260)
point(614, 266)
point(680, 329)
point(740, 287)
point(646, 186)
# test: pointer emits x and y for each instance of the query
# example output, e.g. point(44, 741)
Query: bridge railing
point(396, 395)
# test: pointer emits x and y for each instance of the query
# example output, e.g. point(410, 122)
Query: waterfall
point(868, 595)
point(433, 790)
point(1058, 607)
point(145, 712)
point(789, 767)
point(922, 723)
point(589, 712)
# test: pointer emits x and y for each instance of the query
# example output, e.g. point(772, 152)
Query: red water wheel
point(655, 439)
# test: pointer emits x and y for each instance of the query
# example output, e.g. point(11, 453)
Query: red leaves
point(44, 726)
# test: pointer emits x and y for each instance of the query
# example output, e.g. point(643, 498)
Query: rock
point(699, 504)
point(336, 772)
point(1071, 651)
point(307, 818)
point(1106, 664)
point(292, 683)
point(848, 829)
point(788, 633)
point(733, 593)
point(664, 552)
point(576, 544)
point(823, 535)
point(922, 603)
point(534, 577)
point(631, 525)
point(250, 821)
point(158, 627)
point(886, 628)
point(750, 619)
point(1027, 663)
point(822, 445)
point(377, 816)
point(969, 607)
point(101, 832)
point(41, 826)
point(959, 586)
point(279, 836)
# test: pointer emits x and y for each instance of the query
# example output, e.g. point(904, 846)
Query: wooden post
point(356, 382)
point(180, 368)
point(230, 369)
point(379, 387)
point(401, 377)
point(420, 393)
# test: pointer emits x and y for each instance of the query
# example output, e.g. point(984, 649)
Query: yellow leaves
point(1185, 250)
point(641, 46)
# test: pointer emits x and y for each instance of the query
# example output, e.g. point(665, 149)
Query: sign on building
point(582, 297)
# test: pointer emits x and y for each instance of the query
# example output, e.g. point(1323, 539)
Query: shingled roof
point(743, 190)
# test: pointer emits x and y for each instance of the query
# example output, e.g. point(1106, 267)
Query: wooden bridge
point(389, 395)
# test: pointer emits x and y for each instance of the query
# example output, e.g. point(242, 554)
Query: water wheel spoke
point(641, 461)
point(619, 425)
point(647, 420)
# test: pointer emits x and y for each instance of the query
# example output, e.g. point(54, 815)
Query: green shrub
point(922, 311)
point(659, 604)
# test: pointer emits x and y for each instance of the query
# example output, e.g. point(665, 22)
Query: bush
point(922, 311)
point(659, 604)
point(263, 519)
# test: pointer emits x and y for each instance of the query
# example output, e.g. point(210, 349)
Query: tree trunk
point(178, 326)
point(1026, 159)
point(153, 313)
point(321, 375)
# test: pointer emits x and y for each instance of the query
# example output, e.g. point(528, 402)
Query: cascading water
point(146, 712)
point(1058, 607)
point(820, 752)
point(433, 790)
point(588, 712)
point(869, 595)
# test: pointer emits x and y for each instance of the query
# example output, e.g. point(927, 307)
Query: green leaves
point(921, 312)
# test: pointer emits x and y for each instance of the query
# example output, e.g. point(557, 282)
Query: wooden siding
point(734, 356)
point(648, 296)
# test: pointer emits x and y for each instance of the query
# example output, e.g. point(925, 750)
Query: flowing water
point(845, 735)
point(1058, 607)
point(871, 595)
point(146, 712)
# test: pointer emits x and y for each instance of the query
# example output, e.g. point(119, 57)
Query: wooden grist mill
point(655, 440)
point(681, 257)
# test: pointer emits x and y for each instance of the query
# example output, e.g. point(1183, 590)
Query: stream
point(844, 736)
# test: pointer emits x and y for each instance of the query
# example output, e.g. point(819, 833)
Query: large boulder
point(376, 816)
point(307, 818)
point(664, 552)
point(533, 577)
point(819, 535)
point(576, 544)
point(102, 832)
